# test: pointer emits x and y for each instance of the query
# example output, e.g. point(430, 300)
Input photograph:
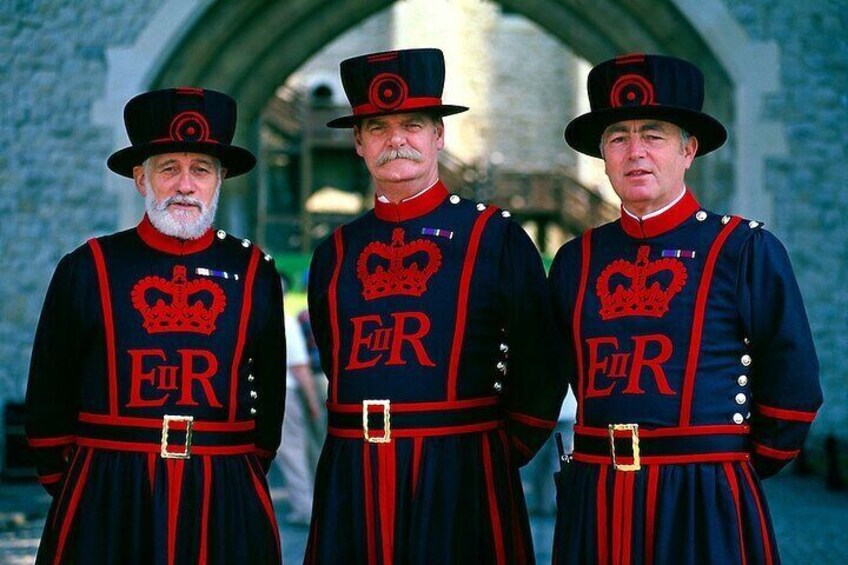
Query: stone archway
point(248, 48)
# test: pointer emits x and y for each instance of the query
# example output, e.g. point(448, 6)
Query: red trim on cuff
point(51, 441)
point(531, 421)
point(265, 453)
point(526, 451)
point(784, 414)
point(50, 479)
point(773, 453)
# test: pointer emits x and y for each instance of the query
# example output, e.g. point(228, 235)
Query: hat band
point(408, 104)
point(208, 140)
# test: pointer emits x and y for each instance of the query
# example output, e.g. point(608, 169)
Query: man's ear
point(138, 180)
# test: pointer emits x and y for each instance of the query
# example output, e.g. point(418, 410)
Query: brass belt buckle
point(386, 437)
point(186, 453)
point(634, 441)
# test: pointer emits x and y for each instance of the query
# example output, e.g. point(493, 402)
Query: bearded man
point(155, 396)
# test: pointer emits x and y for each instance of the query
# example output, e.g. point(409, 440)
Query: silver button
point(267, 257)
point(725, 219)
point(746, 359)
point(501, 366)
point(701, 216)
point(753, 224)
point(506, 214)
point(746, 341)
point(504, 348)
point(454, 199)
point(498, 386)
point(245, 243)
point(221, 234)
point(741, 398)
point(253, 412)
point(250, 378)
point(480, 206)
point(738, 418)
point(742, 380)
point(250, 359)
point(253, 394)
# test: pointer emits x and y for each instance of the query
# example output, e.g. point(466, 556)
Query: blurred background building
point(776, 74)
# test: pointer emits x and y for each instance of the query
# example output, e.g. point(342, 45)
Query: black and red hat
point(176, 120)
point(640, 87)
point(394, 82)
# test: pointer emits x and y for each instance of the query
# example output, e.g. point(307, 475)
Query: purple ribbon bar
point(684, 253)
point(437, 232)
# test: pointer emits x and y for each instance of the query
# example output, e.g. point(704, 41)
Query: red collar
point(666, 221)
point(172, 245)
point(409, 209)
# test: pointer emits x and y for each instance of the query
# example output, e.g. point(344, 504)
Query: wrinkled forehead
point(637, 126)
point(190, 158)
point(409, 117)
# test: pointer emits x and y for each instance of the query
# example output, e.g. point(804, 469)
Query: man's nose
point(636, 148)
point(397, 137)
point(184, 183)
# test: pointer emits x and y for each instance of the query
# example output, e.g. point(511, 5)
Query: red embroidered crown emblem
point(410, 266)
point(645, 295)
point(171, 310)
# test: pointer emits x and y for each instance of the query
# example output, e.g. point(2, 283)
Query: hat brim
point(584, 132)
point(235, 160)
point(438, 111)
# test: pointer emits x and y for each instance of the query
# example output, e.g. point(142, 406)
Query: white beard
point(182, 224)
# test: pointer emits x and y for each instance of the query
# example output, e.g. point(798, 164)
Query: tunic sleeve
point(785, 378)
point(52, 397)
point(320, 273)
point(270, 369)
point(533, 389)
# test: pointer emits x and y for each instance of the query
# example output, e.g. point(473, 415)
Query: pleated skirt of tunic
point(137, 508)
point(421, 500)
point(704, 513)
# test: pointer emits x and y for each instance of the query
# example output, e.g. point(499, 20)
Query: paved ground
point(810, 523)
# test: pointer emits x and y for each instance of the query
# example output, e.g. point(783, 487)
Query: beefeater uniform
point(432, 322)
point(695, 374)
point(155, 394)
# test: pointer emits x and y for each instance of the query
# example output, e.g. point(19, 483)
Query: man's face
point(180, 192)
point(400, 149)
point(646, 161)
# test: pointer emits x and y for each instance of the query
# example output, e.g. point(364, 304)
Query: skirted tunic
point(434, 331)
point(141, 336)
point(689, 344)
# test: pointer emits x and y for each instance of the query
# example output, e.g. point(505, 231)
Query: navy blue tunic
point(432, 321)
point(138, 332)
point(689, 342)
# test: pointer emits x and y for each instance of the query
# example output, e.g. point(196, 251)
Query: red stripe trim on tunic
point(197, 425)
point(421, 432)
point(265, 453)
point(246, 307)
point(734, 489)
point(517, 533)
point(265, 501)
point(386, 477)
point(108, 323)
point(601, 518)
point(175, 487)
point(418, 406)
point(698, 321)
point(70, 514)
point(578, 313)
point(531, 421)
point(717, 429)
point(651, 512)
point(761, 515)
point(627, 519)
point(494, 516)
point(140, 447)
point(417, 445)
point(666, 459)
point(50, 441)
point(526, 451)
point(204, 516)
point(368, 493)
point(462, 298)
point(50, 479)
point(332, 297)
point(784, 414)
point(617, 526)
point(773, 453)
